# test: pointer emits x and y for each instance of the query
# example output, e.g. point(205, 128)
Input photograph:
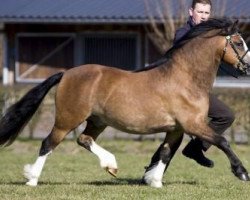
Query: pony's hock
point(176, 91)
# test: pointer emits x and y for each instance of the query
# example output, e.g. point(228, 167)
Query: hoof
point(151, 183)
point(32, 182)
point(243, 177)
point(241, 173)
point(112, 171)
point(32, 179)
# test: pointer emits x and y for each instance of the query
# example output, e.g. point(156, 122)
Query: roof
point(101, 11)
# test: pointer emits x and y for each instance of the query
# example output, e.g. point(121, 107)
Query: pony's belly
point(143, 129)
point(141, 126)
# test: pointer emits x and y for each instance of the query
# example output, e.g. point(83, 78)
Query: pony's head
point(231, 47)
point(235, 50)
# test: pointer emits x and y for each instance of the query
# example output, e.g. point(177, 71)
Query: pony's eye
point(239, 44)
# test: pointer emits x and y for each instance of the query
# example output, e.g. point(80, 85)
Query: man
point(199, 12)
point(221, 116)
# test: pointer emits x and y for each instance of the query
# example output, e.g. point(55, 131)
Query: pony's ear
point(236, 21)
point(235, 24)
point(234, 27)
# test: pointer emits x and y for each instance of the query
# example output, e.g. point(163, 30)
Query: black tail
point(19, 114)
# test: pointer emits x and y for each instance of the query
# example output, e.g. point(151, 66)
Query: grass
point(71, 172)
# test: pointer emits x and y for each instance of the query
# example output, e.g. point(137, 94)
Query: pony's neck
point(200, 60)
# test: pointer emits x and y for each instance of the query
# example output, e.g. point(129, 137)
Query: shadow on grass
point(21, 183)
point(12, 183)
point(119, 181)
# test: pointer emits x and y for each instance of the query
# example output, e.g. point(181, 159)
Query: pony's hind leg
point(72, 109)
point(161, 159)
point(32, 172)
point(87, 140)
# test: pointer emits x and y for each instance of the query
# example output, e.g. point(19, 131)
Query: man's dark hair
point(201, 1)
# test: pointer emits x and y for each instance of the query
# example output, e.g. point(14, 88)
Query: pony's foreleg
point(204, 132)
point(236, 165)
point(87, 140)
point(32, 172)
point(161, 159)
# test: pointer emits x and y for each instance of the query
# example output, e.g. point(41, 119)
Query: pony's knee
point(221, 142)
point(224, 142)
point(85, 141)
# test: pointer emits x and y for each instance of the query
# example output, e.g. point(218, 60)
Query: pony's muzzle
point(243, 67)
point(248, 69)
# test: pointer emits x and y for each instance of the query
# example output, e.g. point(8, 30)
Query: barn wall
point(32, 62)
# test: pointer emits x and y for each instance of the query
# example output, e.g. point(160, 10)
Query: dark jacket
point(183, 30)
point(224, 69)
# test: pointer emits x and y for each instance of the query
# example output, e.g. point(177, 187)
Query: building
point(42, 37)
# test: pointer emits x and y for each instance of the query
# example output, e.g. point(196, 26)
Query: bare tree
point(165, 17)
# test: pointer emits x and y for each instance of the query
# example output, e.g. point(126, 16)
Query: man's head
point(200, 10)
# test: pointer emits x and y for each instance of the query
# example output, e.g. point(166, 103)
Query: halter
point(241, 65)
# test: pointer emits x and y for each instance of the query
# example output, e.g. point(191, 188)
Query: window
point(39, 56)
point(116, 50)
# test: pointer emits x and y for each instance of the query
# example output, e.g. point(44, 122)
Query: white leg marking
point(32, 172)
point(154, 176)
point(106, 158)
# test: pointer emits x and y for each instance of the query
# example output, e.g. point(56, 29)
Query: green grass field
point(71, 172)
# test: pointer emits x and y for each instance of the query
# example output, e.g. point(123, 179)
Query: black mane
point(224, 26)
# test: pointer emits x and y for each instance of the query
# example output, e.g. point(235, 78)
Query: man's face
point(201, 12)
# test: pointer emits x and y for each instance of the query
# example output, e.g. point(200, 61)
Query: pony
point(170, 97)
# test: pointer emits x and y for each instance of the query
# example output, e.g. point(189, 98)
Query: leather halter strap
point(241, 65)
